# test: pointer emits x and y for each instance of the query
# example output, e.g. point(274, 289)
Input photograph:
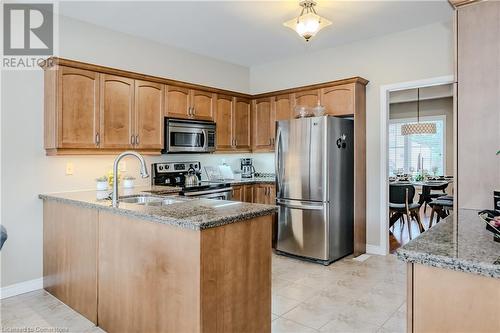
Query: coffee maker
point(247, 168)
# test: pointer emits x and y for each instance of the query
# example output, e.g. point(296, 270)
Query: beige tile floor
point(347, 296)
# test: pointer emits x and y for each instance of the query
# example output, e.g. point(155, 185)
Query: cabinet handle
point(132, 140)
point(235, 142)
point(194, 110)
point(137, 139)
point(97, 139)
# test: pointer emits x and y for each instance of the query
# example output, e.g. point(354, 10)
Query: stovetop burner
point(174, 174)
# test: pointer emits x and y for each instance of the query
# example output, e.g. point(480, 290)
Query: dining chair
point(441, 207)
point(427, 196)
point(401, 204)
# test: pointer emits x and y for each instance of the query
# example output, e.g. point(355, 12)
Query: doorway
point(417, 156)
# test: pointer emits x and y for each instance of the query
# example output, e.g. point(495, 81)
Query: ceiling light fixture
point(308, 23)
point(418, 127)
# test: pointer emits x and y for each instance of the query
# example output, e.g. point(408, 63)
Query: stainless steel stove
point(174, 174)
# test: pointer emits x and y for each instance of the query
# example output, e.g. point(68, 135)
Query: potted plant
point(128, 182)
point(102, 183)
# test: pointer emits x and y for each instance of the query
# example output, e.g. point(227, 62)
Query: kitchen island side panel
point(236, 277)
point(70, 256)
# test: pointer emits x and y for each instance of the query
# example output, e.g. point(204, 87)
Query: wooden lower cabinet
point(264, 194)
point(155, 277)
point(443, 300)
point(237, 194)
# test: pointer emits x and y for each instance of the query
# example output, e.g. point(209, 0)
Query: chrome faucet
point(144, 172)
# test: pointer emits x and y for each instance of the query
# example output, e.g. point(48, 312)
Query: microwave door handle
point(204, 139)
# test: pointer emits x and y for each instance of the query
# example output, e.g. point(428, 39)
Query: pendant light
point(308, 23)
point(418, 127)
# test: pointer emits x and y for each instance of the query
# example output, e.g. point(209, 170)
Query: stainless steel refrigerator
point(315, 187)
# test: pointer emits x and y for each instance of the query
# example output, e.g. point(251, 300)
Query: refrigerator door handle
point(291, 204)
point(279, 164)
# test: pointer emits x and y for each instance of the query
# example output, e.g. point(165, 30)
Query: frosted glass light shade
point(307, 25)
point(418, 128)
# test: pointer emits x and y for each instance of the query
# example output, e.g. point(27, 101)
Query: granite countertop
point(190, 213)
point(466, 246)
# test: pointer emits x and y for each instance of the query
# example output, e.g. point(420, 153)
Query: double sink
point(148, 200)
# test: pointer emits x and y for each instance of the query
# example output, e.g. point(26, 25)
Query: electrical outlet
point(69, 168)
point(122, 166)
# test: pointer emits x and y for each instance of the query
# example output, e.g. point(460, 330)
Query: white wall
point(26, 171)
point(410, 55)
point(89, 43)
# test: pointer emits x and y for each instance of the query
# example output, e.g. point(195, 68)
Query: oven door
point(189, 137)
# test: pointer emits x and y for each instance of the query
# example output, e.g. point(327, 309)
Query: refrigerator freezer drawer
point(303, 229)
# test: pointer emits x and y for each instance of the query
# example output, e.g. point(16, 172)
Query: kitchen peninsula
point(169, 264)
point(453, 277)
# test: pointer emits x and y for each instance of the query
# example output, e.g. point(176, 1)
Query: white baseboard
point(21, 288)
point(375, 249)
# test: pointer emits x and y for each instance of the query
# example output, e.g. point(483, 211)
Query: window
point(405, 150)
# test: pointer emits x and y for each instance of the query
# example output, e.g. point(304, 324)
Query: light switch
point(122, 166)
point(69, 168)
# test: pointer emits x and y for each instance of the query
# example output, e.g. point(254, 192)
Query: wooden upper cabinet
point(241, 124)
point(307, 98)
point(202, 104)
point(262, 125)
point(78, 109)
point(283, 107)
point(224, 121)
point(116, 112)
point(178, 102)
point(339, 100)
point(149, 104)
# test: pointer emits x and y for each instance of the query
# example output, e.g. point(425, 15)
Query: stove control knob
point(160, 168)
point(167, 167)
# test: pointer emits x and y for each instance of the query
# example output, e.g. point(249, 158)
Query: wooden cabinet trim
point(56, 61)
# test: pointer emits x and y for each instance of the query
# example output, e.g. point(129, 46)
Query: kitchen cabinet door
point(241, 124)
point(307, 98)
point(178, 102)
point(259, 193)
point(282, 107)
point(237, 193)
point(78, 109)
point(202, 103)
point(282, 110)
point(262, 125)
point(338, 100)
point(271, 195)
point(248, 193)
point(224, 121)
point(149, 114)
point(117, 112)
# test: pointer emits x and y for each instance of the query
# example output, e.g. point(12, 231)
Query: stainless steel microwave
point(189, 136)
